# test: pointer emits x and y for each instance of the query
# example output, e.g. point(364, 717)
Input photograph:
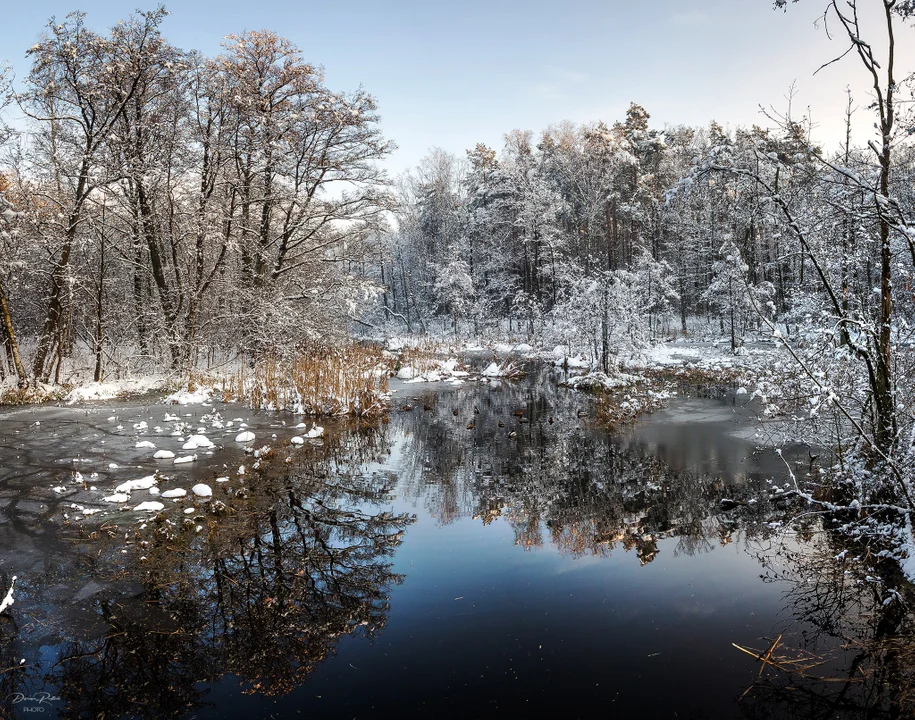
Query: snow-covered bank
point(639, 380)
point(350, 380)
point(354, 380)
point(710, 355)
point(76, 392)
point(11, 394)
point(601, 382)
point(432, 369)
point(116, 389)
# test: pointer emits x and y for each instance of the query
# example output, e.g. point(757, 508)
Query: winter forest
point(163, 211)
point(529, 357)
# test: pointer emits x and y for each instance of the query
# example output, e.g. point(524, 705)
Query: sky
point(452, 74)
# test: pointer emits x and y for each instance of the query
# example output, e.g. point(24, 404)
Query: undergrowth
point(323, 381)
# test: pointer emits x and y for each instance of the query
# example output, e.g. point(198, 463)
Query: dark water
point(435, 565)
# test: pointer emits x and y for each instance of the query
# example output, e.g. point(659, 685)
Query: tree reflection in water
point(590, 494)
point(263, 592)
point(556, 473)
point(300, 556)
point(849, 648)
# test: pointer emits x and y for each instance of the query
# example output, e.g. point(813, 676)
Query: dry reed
point(424, 358)
point(33, 394)
point(324, 381)
point(624, 406)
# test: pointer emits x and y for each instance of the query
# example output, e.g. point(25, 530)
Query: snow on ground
point(522, 348)
point(115, 389)
point(714, 357)
point(505, 370)
point(201, 396)
point(602, 381)
point(492, 370)
point(577, 362)
point(907, 563)
point(667, 355)
point(407, 372)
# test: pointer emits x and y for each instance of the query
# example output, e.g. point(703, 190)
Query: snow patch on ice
point(143, 483)
point(8, 600)
point(150, 506)
point(197, 441)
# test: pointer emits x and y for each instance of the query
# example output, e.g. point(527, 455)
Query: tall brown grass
point(322, 381)
point(626, 405)
point(32, 395)
point(425, 357)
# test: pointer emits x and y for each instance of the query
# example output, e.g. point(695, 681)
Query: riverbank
point(272, 384)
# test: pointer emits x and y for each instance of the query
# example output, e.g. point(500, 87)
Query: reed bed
point(321, 382)
point(32, 395)
point(424, 358)
point(510, 371)
point(626, 406)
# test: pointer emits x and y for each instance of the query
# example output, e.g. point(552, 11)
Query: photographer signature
point(40, 698)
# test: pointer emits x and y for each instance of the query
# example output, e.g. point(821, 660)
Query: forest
point(163, 211)
point(612, 378)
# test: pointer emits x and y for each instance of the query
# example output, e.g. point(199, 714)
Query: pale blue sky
point(451, 74)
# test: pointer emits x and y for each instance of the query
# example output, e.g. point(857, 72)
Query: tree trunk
point(9, 338)
point(99, 373)
point(731, 304)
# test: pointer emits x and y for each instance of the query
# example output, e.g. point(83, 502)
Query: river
point(487, 550)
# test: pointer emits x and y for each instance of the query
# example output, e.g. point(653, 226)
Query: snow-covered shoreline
point(440, 364)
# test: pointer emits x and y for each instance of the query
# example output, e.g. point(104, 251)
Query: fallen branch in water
point(801, 665)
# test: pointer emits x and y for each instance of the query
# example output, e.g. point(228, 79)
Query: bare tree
point(880, 67)
point(70, 97)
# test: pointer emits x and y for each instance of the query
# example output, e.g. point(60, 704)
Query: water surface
point(486, 551)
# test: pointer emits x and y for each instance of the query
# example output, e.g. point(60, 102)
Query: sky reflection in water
point(550, 565)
